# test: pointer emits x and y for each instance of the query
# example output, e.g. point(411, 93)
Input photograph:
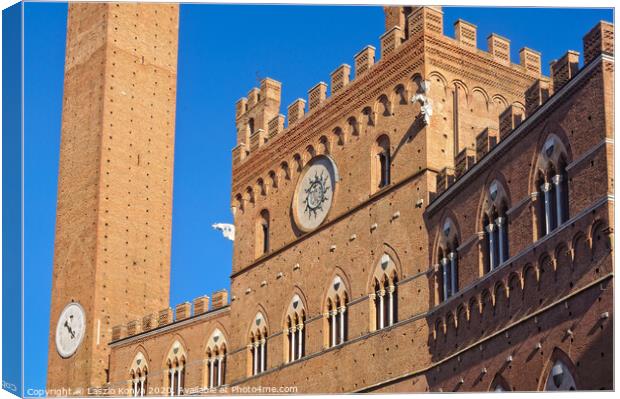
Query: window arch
point(175, 364)
point(336, 318)
point(560, 378)
point(353, 126)
point(251, 126)
point(138, 374)
point(381, 161)
point(216, 359)
point(257, 348)
point(262, 233)
point(447, 255)
point(384, 297)
point(551, 186)
point(273, 177)
point(295, 331)
point(495, 226)
point(285, 171)
point(499, 384)
point(325, 146)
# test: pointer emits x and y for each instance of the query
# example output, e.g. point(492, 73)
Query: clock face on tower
point(70, 329)
point(314, 193)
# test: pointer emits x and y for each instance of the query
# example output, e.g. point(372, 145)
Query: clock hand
point(69, 329)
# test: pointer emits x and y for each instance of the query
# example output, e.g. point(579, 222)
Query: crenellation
point(564, 69)
point(296, 111)
point(201, 305)
point(509, 119)
point(253, 97)
point(241, 106)
point(390, 40)
point(485, 141)
point(183, 311)
point(364, 60)
point(425, 20)
point(536, 95)
point(445, 178)
point(465, 33)
point(257, 139)
point(499, 47)
point(531, 61)
point(599, 40)
point(275, 126)
point(254, 113)
point(464, 160)
point(340, 78)
point(134, 327)
point(149, 322)
point(220, 299)
point(165, 317)
point(316, 95)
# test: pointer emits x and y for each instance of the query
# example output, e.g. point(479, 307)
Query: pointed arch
point(494, 221)
point(174, 364)
point(294, 323)
point(559, 374)
point(138, 373)
point(383, 288)
point(447, 243)
point(335, 311)
point(216, 351)
point(550, 183)
point(499, 384)
point(257, 343)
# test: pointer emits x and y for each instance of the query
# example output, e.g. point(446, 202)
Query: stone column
point(219, 370)
point(172, 371)
point(334, 326)
point(256, 357)
point(263, 343)
point(300, 341)
point(444, 275)
point(381, 295)
point(293, 330)
point(391, 290)
point(546, 189)
point(342, 310)
point(559, 197)
point(503, 239)
point(453, 272)
point(490, 229)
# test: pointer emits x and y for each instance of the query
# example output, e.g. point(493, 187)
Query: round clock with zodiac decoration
point(314, 194)
point(70, 329)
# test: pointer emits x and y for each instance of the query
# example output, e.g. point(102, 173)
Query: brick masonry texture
point(551, 300)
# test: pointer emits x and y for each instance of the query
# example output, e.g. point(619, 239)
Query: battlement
point(168, 316)
point(596, 42)
point(258, 115)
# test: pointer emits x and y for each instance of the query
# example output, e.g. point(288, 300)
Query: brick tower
point(113, 226)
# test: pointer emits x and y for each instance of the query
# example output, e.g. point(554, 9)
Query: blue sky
point(223, 51)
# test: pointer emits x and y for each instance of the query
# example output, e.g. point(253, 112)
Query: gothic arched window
point(551, 186)
point(139, 375)
point(495, 226)
point(262, 233)
point(382, 161)
point(560, 378)
point(336, 313)
point(447, 255)
point(258, 346)
point(384, 294)
point(175, 362)
point(295, 331)
point(216, 360)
